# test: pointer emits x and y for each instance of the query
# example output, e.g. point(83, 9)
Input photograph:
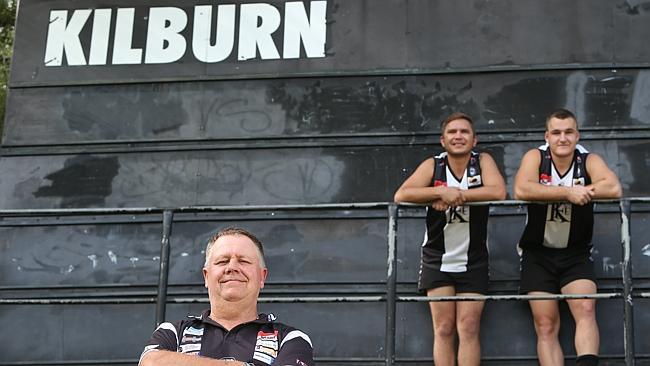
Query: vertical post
point(163, 273)
point(391, 285)
point(626, 267)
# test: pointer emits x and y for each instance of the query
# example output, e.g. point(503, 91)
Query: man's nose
point(232, 266)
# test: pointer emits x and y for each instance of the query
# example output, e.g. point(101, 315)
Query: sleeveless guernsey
point(560, 225)
point(456, 238)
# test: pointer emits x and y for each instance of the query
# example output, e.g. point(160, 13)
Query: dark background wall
point(349, 127)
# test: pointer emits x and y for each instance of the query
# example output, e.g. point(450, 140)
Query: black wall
point(348, 127)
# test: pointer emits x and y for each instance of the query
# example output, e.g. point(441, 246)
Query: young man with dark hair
point(556, 243)
point(454, 253)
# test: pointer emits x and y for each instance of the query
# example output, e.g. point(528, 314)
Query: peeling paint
point(67, 270)
point(112, 256)
point(93, 258)
point(607, 266)
point(646, 250)
point(134, 260)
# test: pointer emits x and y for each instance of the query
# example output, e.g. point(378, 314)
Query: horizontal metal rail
point(235, 208)
point(311, 299)
point(218, 208)
point(374, 72)
point(180, 300)
point(509, 297)
point(391, 293)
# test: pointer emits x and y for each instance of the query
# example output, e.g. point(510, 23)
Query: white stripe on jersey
point(154, 347)
point(296, 334)
point(171, 327)
point(558, 215)
point(147, 349)
point(456, 231)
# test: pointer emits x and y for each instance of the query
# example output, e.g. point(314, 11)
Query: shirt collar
point(261, 319)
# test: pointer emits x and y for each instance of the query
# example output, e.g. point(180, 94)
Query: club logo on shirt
point(545, 178)
point(192, 348)
point(192, 335)
point(474, 181)
point(458, 215)
point(193, 331)
point(579, 181)
point(266, 347)
point(439, 183)
point(559, 212)
point(191, 340)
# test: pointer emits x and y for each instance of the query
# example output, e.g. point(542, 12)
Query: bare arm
point(169, 358)
point(417, 189)
point(494, 187)
point(528, 187)
point(604, 182)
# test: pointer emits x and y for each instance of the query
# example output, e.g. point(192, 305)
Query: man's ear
point(265, 273)
point(205, 277)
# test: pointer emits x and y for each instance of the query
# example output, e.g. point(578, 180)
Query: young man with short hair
point(556, 243)
point(454, 253)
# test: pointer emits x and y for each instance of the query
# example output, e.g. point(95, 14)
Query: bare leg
point(546, 315)
point(443, 314)
point(587, 339)
point(468, 324)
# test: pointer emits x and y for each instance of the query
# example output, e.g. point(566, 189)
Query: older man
point(231, 332)
point(556, 243)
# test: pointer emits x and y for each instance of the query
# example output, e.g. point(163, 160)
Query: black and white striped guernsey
point(457, 238)
point(560, 225)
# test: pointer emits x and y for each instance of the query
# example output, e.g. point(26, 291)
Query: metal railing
point(626, 269)
point(391, 297)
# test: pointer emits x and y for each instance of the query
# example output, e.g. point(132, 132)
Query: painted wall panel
point(257, 109)
point(64, 331)
point(361, 36)
point(322, 250)
point(255, 176)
